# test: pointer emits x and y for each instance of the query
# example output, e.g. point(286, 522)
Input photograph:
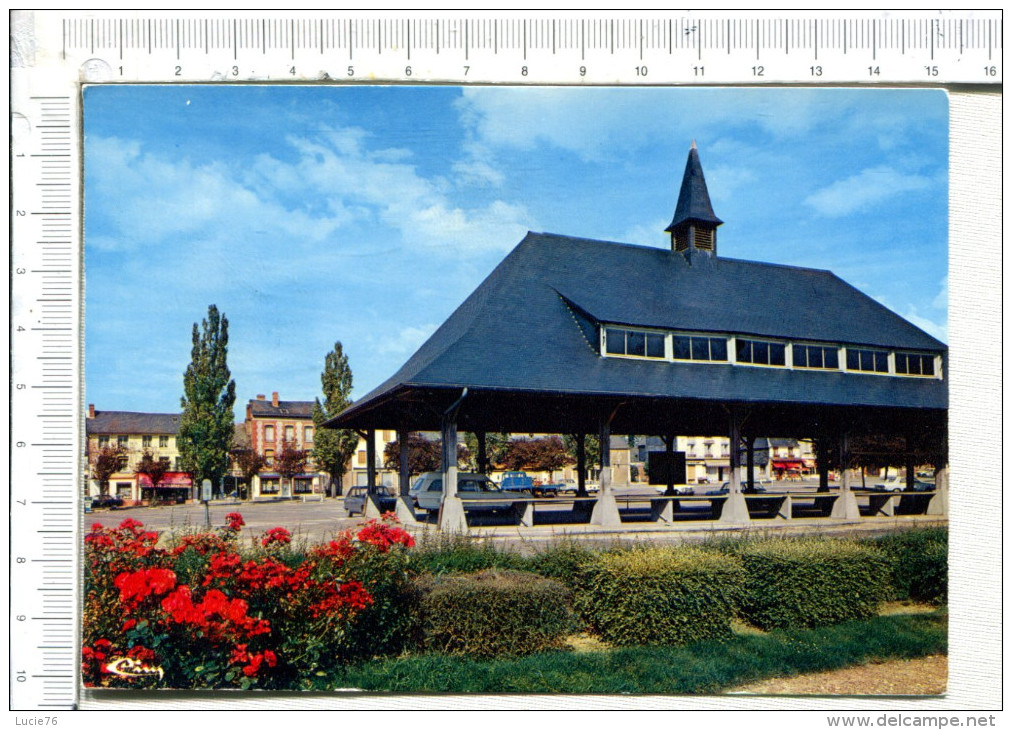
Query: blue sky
point(313, 214)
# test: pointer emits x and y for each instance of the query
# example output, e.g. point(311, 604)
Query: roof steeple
point(694, 226)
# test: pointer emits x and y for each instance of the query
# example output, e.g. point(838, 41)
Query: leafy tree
point(153, 468)
point(333, 448)
point(206, 425)
point(550, 455)
point(248, 462)
point(496, 445)
point(423, 454)
point(291, 461)
point(591, 447)
point(105, 462)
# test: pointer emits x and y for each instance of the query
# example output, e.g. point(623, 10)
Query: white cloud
point(941, 300)
point(864, 191)
point(405, 341)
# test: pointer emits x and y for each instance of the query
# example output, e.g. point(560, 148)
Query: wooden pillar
point(370, 458)
point(669, 450)
point(910, 466)
point(482, 453)
point(581, 465)
point(822, 456)
point(750, 463)
point(604, 437)
point(405, 463)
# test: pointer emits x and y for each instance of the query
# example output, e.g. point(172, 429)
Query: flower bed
point(205, 613)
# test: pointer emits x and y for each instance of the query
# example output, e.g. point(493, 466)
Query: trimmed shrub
point(441, 553)
point(494, 613)
point(804, 583)
point(561, 560)
point(659, 595)
point(920, 564)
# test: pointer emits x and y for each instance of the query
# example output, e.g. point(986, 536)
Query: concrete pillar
point(939, 504)
point(605, 512)
point(451, 512)
point(845, 507)
point(735, 510)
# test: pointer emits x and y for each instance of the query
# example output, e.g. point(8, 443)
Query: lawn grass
point(704, 668)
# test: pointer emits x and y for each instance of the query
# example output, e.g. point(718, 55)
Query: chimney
point(261, 396)
point(91, 410)
point(274, 399)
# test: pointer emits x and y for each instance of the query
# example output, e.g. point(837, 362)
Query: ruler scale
point(54, 53)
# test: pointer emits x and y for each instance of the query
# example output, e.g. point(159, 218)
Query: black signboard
point(661, 465)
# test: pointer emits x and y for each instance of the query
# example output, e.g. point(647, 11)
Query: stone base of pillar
point(735, 510)
point(939, 504)
point(372, 508)
point(845, 507)
point(405, 511)
point(452, 517)
point(605, 513)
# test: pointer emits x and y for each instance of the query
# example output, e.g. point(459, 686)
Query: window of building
point(816, 356)
point(289, 433)
point(913, 364)
point(302, 485)
point(122, 441)
point(867, 361)
point(307, 435)
point(696, 347)
point(165, 461)
point(268, 433)
point(269, 456)
point(146, 442)
point(163, 442)
point(103, 442)
point(179, 463)
point(362, 458)
point(761, 352)
point(270, 485)
point(634, 343)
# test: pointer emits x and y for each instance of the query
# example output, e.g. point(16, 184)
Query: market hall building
point(554, 341)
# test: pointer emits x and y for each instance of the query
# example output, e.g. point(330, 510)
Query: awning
point(171, 480)
point(788, 463)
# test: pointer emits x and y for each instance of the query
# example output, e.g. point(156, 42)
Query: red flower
point(276, 536)
point(383, 535)
point(135, 587)
point(234, 521)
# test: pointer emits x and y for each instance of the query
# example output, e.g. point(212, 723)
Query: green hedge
point(659, 595)
point(494, 613)
point(919, 560)
point(813, 582)
point(439, 553)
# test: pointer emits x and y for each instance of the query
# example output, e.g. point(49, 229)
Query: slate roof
point(531, 327)
point(127, 423)
point(693, 197)
point(284, 409)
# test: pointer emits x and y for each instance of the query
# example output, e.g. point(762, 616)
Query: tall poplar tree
point(333, 448)
point(206, 425)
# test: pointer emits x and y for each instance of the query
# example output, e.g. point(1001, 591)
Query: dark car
point(106, 501)
point(354, 501)
point(760, 488)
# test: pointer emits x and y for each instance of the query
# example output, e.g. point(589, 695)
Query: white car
point(481, 493)
point(681, 490)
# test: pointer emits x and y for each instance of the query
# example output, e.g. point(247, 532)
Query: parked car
point(354, 501)
point(478, 490)
point(761, 487)
point(682, 490)
point(899, 484)
point(570, 487)
point(106, 501)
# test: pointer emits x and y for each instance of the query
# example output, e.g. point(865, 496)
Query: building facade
point(273, 426)
point(135, 434)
